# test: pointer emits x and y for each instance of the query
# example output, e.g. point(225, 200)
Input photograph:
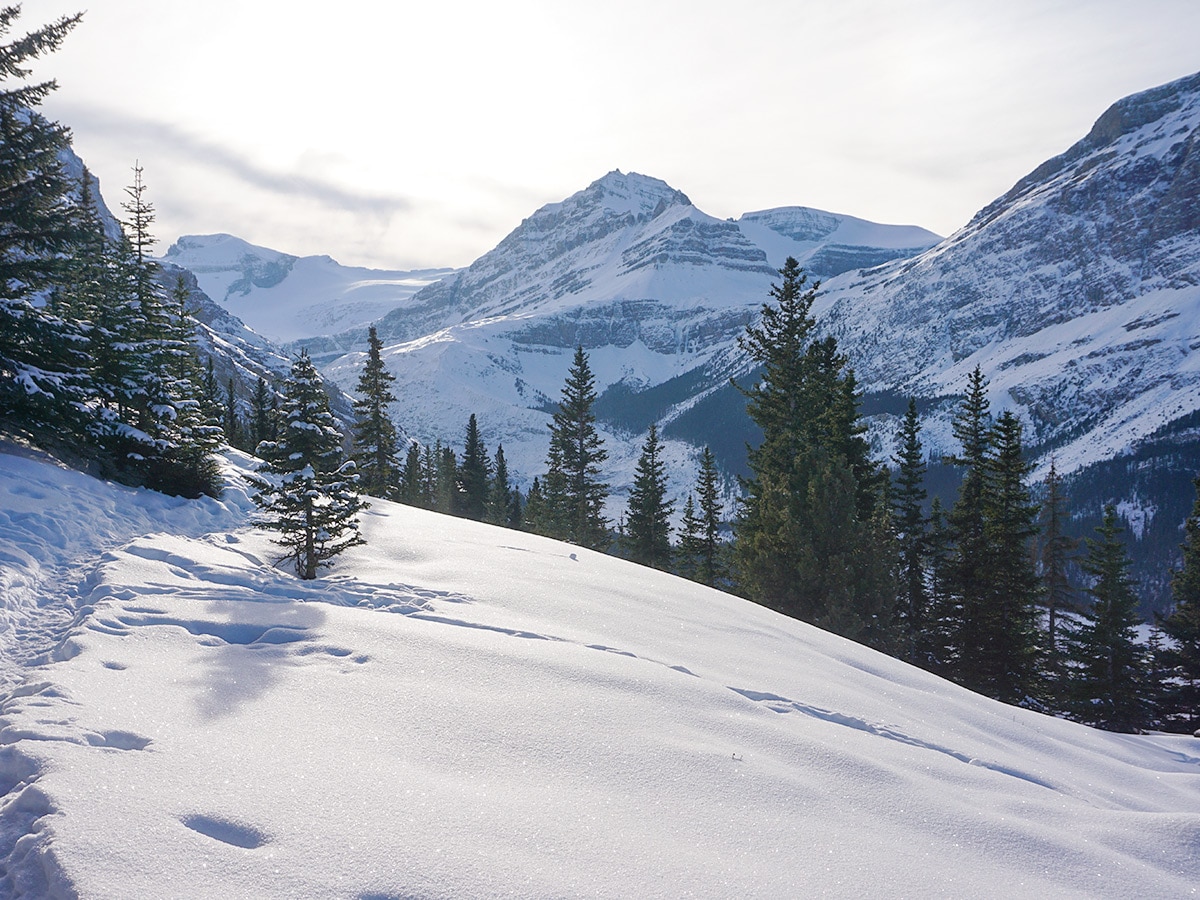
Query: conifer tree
point(1005, 662)
point(1057, 548)
point(534, 509)
point(691, 530)
point(909, 497)
point(446, 494)
point(1109, 666)
point(262, 424)
point(39, 370)
point(376, 442)
point(412, 483)
point(1180, 655)
point(473, 474)
point(647, 537)
point(429, 472)
point(576, 455)
point(307, 489)
point(807, 537)
point(710, 569)
point(500, 496)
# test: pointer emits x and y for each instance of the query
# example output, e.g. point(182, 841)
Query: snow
point(464, 711)
point(288, 298)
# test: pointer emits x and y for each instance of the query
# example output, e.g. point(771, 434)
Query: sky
point(410, 135)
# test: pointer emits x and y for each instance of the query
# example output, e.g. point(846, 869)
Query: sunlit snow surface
point(461, 711)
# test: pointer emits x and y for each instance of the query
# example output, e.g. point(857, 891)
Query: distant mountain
point(655, 289)
point(288, 298)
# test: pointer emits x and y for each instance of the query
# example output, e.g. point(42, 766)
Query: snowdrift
point(457, 710)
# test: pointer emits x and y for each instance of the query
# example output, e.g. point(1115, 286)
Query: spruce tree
point(1057, 548)
point(39, 367)
point(908, 499)
point(262, 424)
point(691, 531)
point(577, 454)
point(807, 537)
point(412, 483)
point(647, 538)
point(500, 496)
point(376, 442)
point(307, 490)
point(473, 474)
point(446, 497)
point(1005, 662)
point(232, 423)
point(1180, 655)
point(1109, 666)
point(710, 569)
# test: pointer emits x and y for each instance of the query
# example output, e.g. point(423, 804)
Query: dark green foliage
point(473, 475)
point(1180, 654)
point(1057, 548)
point(39, 364)
point(264, 414)
point(710, 567)
point(573, 495)
point(1109, 668)
point(307, 490)
point(232, 423)
point(503, 502)
point(647, 538)
point(376, 442)
point(908, 497)
point(810, 538)
point(412, 480)
point(446, 497)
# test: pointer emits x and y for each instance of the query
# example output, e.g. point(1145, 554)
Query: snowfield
point(457, 710)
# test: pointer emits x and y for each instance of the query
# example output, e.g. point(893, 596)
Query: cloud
point(176, 145)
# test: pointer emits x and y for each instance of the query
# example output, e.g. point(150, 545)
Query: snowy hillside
point(461, 711)
point(288, 298)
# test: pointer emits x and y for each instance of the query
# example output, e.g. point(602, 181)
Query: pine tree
point(1057, 548)
point(963, 606)
point(647, 537)
point(500, 496)
point(691, 532)
point(262, 424)
point(375, 440)
point(308, 492)
point(412, 483)
point(1005, 662)
point(710, 569)
point(534, 509)
point(1109, 666)
point(39, 366)
point(1180, 656)
point(473, 474)
point(446, 497)
point(579, 452)
point(807, 540)
point(911, 526)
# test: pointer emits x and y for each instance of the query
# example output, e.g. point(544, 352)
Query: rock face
point(1077, 292)
point(654, 289)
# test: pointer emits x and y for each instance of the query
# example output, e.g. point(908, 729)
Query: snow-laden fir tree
point(38, 365)
point(376, 442)
point(647, 537)
point(307, 489)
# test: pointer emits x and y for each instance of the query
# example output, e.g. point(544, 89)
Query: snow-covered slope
point(288, 298)
point(461, 711)
point(1077, 292)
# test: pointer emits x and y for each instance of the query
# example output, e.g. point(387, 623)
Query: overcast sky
point(404, 135)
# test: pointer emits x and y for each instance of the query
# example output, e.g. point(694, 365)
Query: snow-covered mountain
point(465, 711)
point(1077, 292)
point(288, 298)
point(653, 288)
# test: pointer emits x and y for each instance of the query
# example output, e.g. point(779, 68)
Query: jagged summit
point(632, 193)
